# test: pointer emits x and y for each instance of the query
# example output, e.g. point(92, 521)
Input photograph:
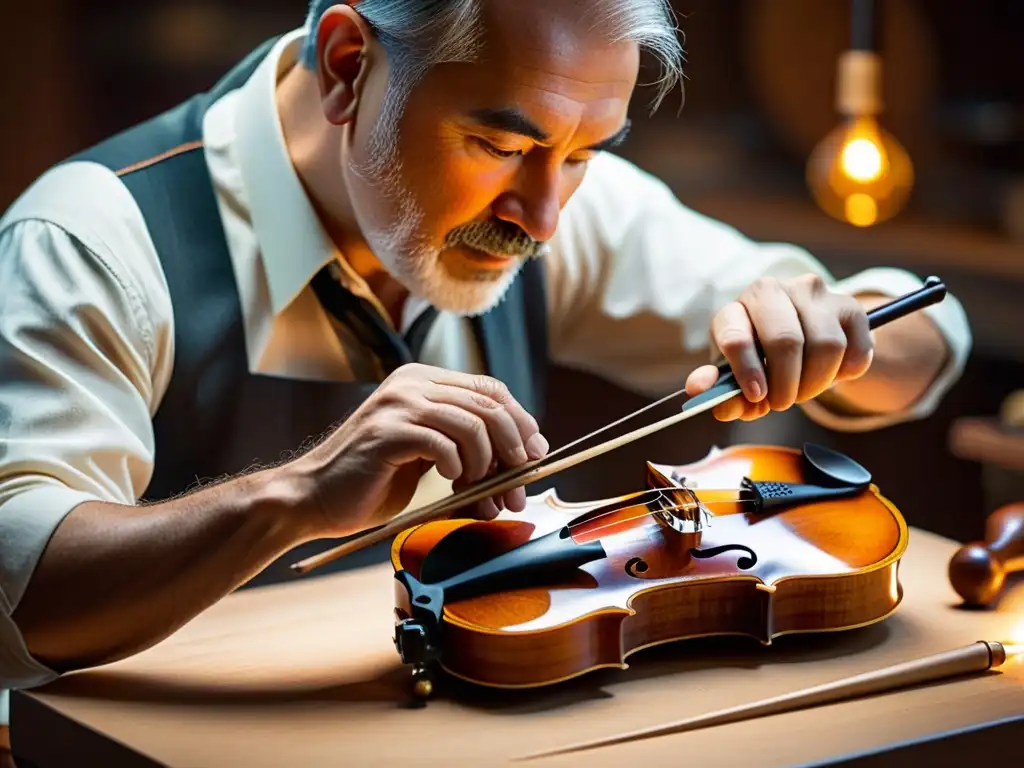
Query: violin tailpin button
point(423, 686)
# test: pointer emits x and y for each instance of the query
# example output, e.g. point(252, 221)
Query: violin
point(753, 540)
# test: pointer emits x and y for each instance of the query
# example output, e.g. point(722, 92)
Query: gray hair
point(420, 34)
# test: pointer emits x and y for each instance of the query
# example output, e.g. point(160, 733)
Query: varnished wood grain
point(820, 567)
point(306, 674)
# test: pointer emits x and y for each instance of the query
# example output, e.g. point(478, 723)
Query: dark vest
point(217, 419)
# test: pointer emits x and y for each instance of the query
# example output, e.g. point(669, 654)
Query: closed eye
point(489, 148)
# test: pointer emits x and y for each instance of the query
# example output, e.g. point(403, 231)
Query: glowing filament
point(862, 160)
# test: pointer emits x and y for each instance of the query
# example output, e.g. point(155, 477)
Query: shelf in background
point(903, 241)
point(984, 440)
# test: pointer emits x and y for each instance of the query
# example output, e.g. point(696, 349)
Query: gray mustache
point(497, 237)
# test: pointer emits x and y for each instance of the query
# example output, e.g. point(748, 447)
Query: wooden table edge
point(66, 739)
point(958, 745)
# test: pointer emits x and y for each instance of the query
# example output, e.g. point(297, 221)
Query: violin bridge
point(680, 510)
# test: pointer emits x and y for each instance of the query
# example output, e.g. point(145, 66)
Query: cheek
point(452, 187)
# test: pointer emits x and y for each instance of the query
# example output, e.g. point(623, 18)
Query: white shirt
point(87, 329)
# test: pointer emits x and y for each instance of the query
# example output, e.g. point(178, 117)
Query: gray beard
point(417, 265)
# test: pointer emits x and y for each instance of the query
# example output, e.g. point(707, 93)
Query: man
point(341, 273)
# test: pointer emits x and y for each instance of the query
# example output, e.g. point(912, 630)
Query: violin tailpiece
point(771, 496)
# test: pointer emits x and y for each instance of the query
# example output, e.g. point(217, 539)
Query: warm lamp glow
point(862, 160)
point(860, 174)
point(1013, 603)
point(1016, 636)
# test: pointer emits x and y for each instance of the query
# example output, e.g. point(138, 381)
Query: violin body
point(691, 556)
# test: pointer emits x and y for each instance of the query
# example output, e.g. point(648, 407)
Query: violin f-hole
point(744, 563)
point(636, 566)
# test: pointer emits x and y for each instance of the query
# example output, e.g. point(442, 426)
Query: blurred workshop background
point(760, 96)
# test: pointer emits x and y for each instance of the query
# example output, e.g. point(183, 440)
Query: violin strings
point(620, 505)
point(648, 513)
point(700, 505)
point(606, 427)
point(661, 495)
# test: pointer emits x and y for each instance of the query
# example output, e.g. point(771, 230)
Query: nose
point(534, 202)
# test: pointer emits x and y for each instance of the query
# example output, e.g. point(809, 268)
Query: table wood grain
point(306, 674)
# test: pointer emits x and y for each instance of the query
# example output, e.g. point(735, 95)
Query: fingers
point(487, 509)
point(504, 432)
point(810, 338)
point(467, 431)
point(407, 442)
point(733, 332)
point(701, 380)
point(469, 425)
point(535, 444)
point(837, 336)
point(777, 324)
point(825, 344)
point(860, 346)
point(739, 409)
point(515, 500)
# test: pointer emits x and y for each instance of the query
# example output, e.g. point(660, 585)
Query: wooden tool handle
point(974, 658)
point(979, 569)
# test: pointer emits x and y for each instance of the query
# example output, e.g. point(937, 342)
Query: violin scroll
point(979, 569)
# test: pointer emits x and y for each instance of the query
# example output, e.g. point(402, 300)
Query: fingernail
point(537, 446)
point(520, 454)
point(755, 390)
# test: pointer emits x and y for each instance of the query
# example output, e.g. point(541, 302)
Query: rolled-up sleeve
point(635, 279)
point(78, 352)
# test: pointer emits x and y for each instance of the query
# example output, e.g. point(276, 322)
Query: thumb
point(701, 380)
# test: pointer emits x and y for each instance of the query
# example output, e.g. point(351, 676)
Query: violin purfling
point(752, 540)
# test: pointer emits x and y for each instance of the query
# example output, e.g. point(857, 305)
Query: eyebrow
point(614, 140)
point(512, 120)
point(509, 120)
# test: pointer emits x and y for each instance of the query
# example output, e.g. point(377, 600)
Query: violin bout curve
point(824, 567)
point(662, 615)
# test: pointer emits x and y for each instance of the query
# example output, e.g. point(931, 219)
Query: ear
point(343, 42)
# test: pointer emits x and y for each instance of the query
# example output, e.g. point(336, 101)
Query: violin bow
point(725, 388)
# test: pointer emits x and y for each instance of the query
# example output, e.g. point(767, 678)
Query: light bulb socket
point(859, 83)
point(864, 25)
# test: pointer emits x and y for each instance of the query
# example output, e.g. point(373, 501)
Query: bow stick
point(725, 388)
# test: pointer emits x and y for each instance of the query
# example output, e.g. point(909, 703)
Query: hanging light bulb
point(860, 173)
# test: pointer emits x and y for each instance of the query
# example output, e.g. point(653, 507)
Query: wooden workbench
point(306, 674)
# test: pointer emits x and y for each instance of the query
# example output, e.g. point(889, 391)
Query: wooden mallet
point(979, 569)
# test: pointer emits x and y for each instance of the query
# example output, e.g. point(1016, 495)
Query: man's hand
point(811, 337)
point(367, 471)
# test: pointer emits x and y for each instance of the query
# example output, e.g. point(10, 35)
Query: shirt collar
point(294, 244)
